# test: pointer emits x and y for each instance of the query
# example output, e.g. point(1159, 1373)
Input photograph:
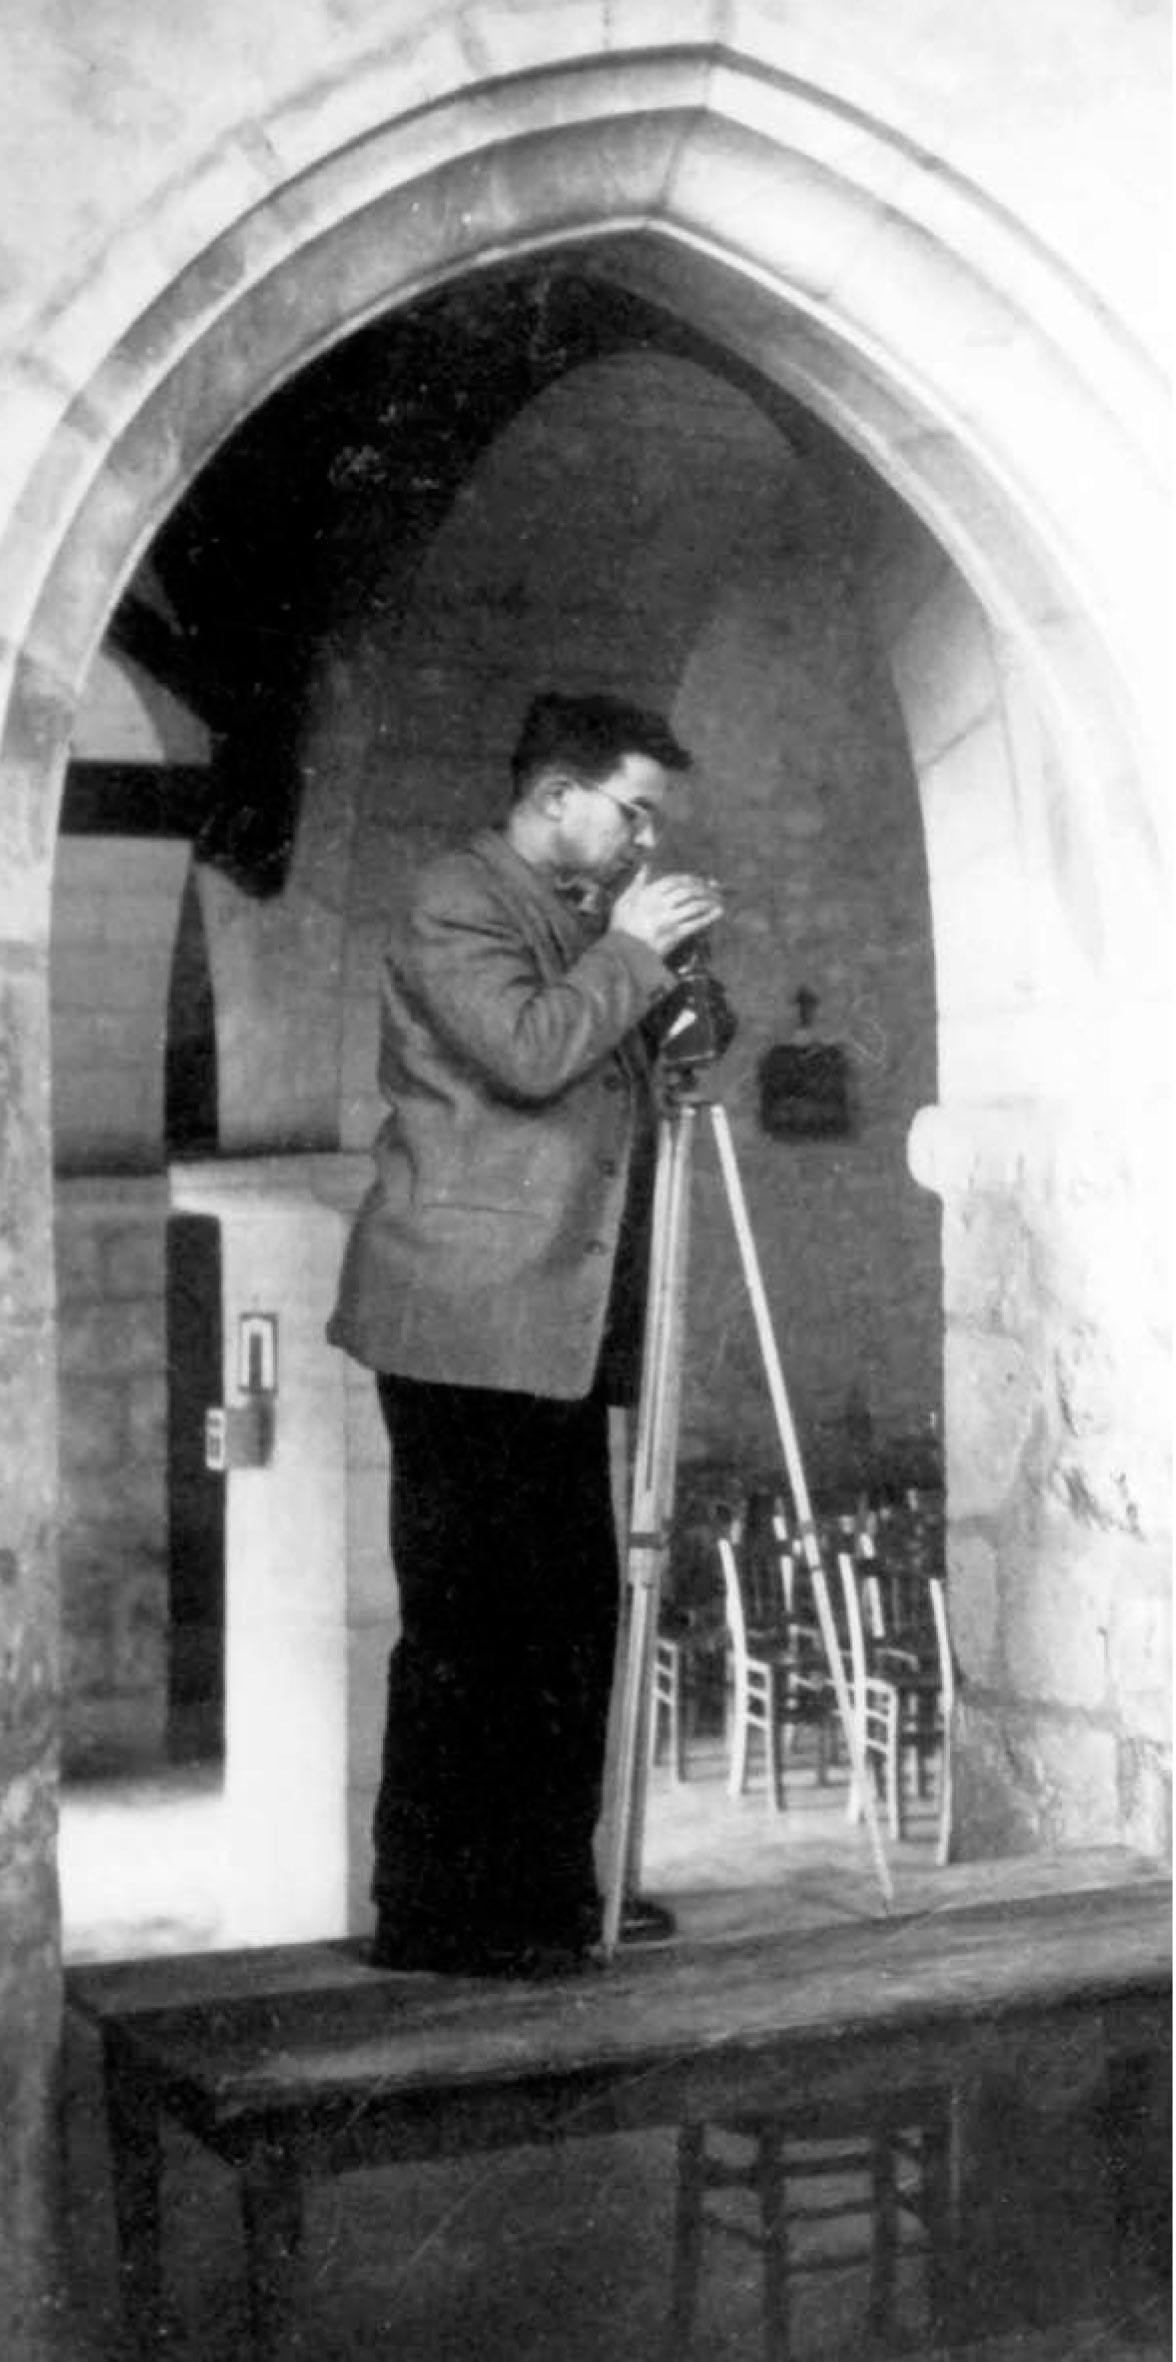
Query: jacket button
point(596, 1246)
point(608, 1164)
point(614, 1082)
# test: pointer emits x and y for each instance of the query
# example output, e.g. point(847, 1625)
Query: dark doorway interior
point(196, 1501)
point(191, 1094)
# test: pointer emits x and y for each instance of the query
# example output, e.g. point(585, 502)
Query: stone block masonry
point(221, 203)
point(112, 1347)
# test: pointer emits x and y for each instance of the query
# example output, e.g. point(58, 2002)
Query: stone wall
point(30, 1964)
point(310, 1605)
point(112, 1349)
point(1058, 1479)
point(709, 572)
point(918, 246)
point(1054, 1328)
point(115, 910)
point(116, 904)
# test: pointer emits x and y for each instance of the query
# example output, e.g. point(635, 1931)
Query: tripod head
point(697, 1023)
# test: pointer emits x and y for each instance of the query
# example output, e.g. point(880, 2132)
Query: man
point(494, 1281)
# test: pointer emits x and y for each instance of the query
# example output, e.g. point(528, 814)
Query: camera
point(696, 1023)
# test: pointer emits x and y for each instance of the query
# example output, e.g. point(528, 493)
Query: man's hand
point(664, 912)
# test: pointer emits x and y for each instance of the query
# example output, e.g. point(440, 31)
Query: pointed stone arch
point(970, 369)
point(989, 389)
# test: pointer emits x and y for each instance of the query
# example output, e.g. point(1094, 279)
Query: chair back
point(847, 1611)
point(759, 1565)
point(800, 1621)
point(787, 1550)
point(730, 1536)
point(937, 1589)
point(947, 1691)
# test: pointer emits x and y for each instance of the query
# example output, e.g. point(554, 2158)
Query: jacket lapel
point(549, 922)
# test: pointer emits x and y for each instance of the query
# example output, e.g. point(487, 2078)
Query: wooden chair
point(774, 1684)
point(874, 1700)
point(809, 1695)
point(947, 1698)
point(691, 1642)
point(681, 1663)
point(755, 1676)
point(667, 1704)
point(903, 1600)
point(886, 2164)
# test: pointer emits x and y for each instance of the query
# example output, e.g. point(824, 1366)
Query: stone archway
point(868, 287)
point(980, 382)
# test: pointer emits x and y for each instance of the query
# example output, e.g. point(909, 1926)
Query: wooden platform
point(301, 2061)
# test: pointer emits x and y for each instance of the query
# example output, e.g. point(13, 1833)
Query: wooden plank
point(789, 2075)
point(121, 1988)
point(298, 2050)
point(133, 1988)
point(719, 1915)
point(301, 2062)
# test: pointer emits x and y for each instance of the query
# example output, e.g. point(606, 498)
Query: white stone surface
point(975, 1606)
point(115, 910)
point(290, 1649)
point(1139, 1650)
point(126, 717)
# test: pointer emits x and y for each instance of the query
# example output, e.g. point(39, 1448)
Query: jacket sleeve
point(480, 986)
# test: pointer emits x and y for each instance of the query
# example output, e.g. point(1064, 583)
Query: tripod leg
point(653, 1497)
point(796, 1477)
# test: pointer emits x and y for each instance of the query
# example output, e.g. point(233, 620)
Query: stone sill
point(218, 1185)
point(333, 1180)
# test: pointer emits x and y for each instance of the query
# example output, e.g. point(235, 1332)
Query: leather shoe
point(645, 1922)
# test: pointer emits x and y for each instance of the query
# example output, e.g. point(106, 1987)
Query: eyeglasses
point(642, 818)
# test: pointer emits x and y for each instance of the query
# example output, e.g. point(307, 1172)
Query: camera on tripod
point(696, 1023)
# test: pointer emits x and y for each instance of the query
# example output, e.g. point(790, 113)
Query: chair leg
point(943, 1840)
point(939, 2206)
point(740, 1714)
point(894, 1778)
point(666, 1714)
point(770, 2182)
point(773, 1773)
point(884, 2249)
point(677, 1736)
point(686, 2264)
point(673, 1707)
point(855, 1803)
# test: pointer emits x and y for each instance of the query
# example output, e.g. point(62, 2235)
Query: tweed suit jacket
point(518, 1093)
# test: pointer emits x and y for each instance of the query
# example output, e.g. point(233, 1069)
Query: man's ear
point(552, 793)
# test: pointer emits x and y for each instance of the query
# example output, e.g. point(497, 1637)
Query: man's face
point(608, 829)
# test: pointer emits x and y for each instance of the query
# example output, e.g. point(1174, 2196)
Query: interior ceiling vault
point(283, 537)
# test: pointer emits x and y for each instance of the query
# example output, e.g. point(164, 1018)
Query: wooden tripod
point(654, 1477)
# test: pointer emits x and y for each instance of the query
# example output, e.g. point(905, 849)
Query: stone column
point(30, 1962)
point(1056, 1396)
point(310, 1602)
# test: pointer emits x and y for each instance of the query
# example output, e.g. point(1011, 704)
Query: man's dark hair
point(591, 735)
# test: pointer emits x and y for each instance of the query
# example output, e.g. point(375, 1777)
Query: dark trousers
point(504, 1549)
